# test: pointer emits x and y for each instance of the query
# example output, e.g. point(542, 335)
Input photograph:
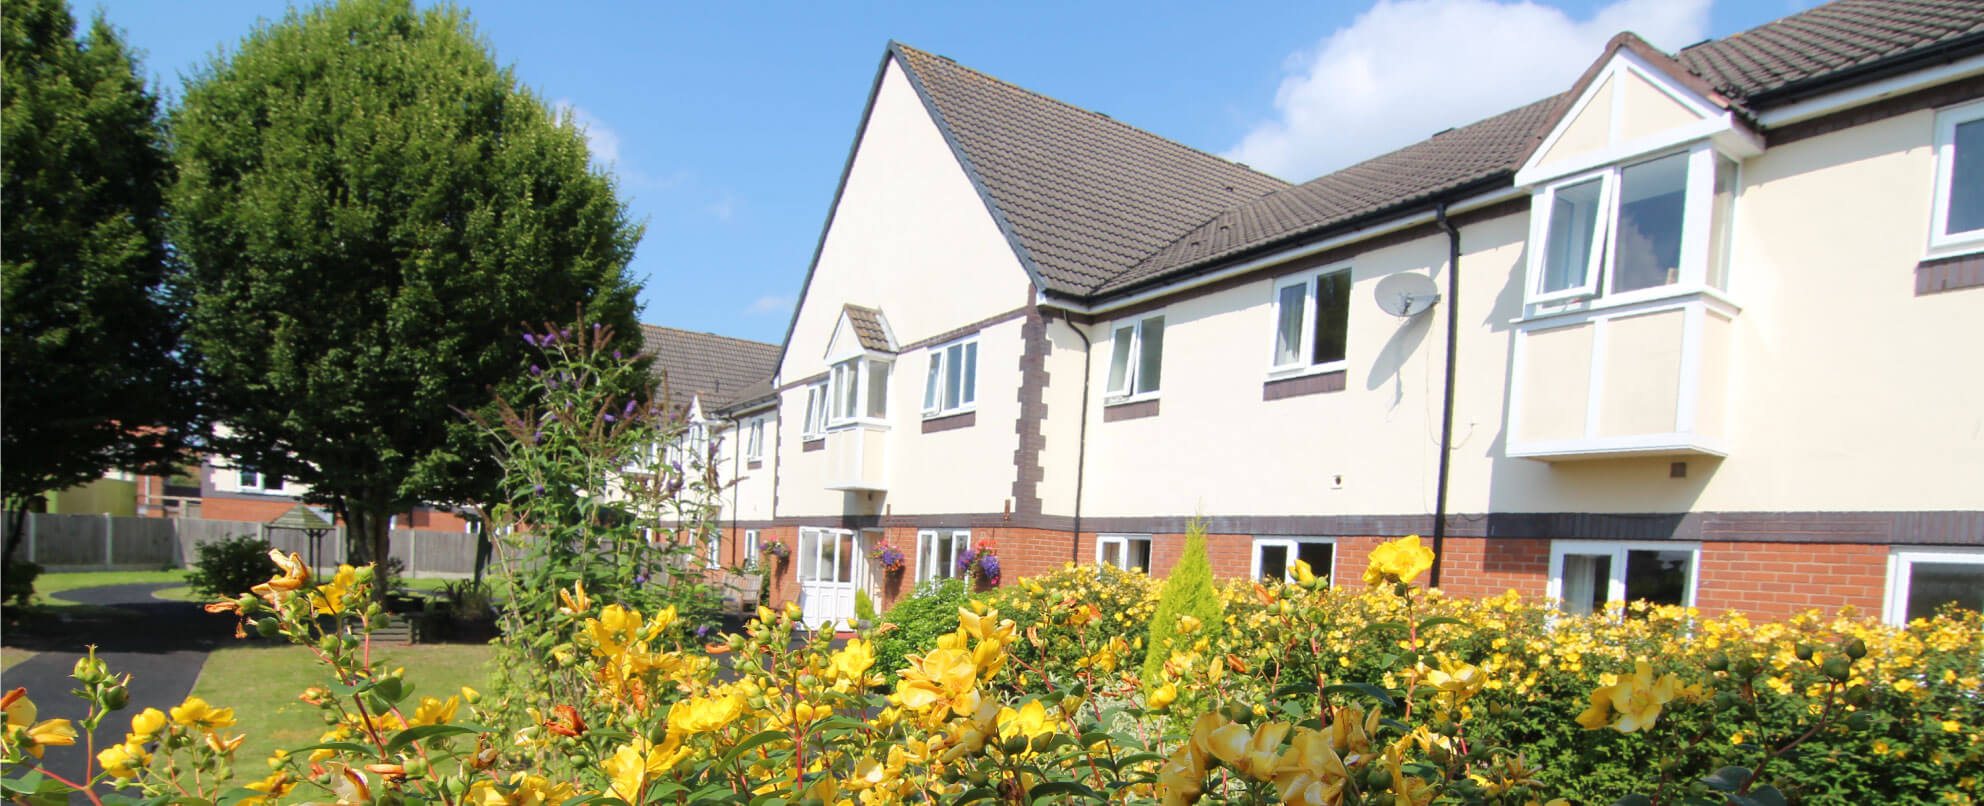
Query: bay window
point(1958, 215)
point(1632, 227)
point(951, 386)
point(858, 388)
point(1136, 358)
point(1312, 321)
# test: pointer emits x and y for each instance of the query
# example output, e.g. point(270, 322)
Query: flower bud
point(1856, 648)
point(116, 697)
point(1837, 667)
point(1746, 668)
point(416, 767)
point(1859, 720)
point(268, 628)
point(1014, 745)
point(365, 574)
point(1377, 777)
point(88, 669)
point(1803, 651)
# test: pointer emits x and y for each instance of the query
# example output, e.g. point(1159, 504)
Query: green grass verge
point(10, 656)
point(52, 585)
point(183, 593)
point(261, 685)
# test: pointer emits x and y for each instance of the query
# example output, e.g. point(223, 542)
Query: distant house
point(721, 386)
point(1708, 318)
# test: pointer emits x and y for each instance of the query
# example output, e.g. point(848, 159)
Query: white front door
point(830, 571)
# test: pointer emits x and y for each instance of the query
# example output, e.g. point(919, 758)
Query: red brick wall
point(263, 510)
point(1777, 580)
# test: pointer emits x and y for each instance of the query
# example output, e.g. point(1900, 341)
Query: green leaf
point(23, 785)
point(414, 734)
point(753, 742)
point(1437, 621)
point(582, 800)
point(1365, 689)
point(342, 747)
point(974, 795)
point(235, 795)
point(1760, 796)
point(1635, 799)
point(1727, 779)
point(1069, 788)
point(1300, 688)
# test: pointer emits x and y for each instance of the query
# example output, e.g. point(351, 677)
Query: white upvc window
point(1585, 575)
point(1128, 552)
point(937, 553)
point(750, 548)
point(1634, 229)
point(713, 550)
point(858, 389)
point(825, 555)
point(1274, 557)
point(1920, 580)
point(1136, 358)
point(951, 385)
point(754, 439)
point(1957, 221)
point(252, 481)
point(815, 424)
point(1311, 322)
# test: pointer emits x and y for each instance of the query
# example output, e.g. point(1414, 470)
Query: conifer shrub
point(1187, 592)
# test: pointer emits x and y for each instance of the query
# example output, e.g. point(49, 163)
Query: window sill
point(1300, 385)
point(814, 444)
point(950, 422)
point(1647, 297)
point(1118, 400)
point(1938, 274)
point(1129, 411)
point(949, 413)
point(1325, 368)
point(862, 422)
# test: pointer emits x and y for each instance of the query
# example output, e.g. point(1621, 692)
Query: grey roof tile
point(1086, 196)
point(1819, 44)
point(718, 368)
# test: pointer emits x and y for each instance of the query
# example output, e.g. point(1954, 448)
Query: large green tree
point(89, 360)
point(371, 210)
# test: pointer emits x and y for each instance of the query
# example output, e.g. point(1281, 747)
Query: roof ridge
point(1058, 102)
point(648, 326)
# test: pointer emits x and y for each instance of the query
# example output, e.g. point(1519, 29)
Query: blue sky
point(727, 124)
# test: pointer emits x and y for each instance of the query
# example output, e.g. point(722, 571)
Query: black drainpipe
point(1081, 442)
point(1447, 407)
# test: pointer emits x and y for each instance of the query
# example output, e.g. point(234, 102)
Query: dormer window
point(1632, 227)
point(858, 388)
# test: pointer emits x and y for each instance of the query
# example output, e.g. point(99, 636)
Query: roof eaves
point(964, 161)
point(1948, 50)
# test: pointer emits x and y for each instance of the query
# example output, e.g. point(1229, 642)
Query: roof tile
point(719, 369)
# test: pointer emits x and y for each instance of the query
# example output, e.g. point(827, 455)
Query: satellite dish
point(1407, 294)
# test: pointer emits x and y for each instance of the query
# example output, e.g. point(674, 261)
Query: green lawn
point(52, 585)
point(261, 685)
point(10, 656)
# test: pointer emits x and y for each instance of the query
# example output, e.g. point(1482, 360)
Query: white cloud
point(764, 305)
point(1405, 69)
point(724, 207)
point(601, 138)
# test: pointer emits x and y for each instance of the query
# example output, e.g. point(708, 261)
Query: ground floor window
point(713, 550)
point(1586, 575)
point(750, 548)
point(1922, 580)
point(826, 555)
point(1274, 557)
point(1128, 552)
point(937, 553)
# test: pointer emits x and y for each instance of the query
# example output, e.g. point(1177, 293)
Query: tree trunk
point(16, 524)
point(367, 538)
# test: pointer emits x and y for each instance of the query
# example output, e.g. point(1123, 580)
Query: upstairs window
point(815, 424)
point(1136, 358)
point(951, 387)
point(251, 480)
point(754, 439)
point(1311, 321)
point(1958, 217)
point(1633, 227)
point(858, 388)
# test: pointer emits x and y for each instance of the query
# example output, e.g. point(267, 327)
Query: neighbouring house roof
point(869, 328)
point(718, 369)
point(1084, 197)
point(1829, 43)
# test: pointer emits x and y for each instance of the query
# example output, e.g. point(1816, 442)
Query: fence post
point(109, 526)
point(412, 554)
point(32, 517)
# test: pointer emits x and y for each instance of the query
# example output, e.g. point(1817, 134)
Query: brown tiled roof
point(1827, 42)
point(1756, 68)
point(1448, 161)
point(717, 368)
point(868, 327)
point(1085, 197)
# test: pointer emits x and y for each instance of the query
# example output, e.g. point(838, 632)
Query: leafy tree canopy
point(371, 210)
point(89, 344)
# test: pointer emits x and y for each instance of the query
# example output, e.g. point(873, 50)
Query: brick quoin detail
point(1033, 411)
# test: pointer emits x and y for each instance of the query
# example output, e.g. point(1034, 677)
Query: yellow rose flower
point(22, 727)
point(1163, 696)
point(147, 723)
point(1400, 560)
point(124, 760)
point(195, 713)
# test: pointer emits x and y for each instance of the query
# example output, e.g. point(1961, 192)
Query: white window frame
point(927, 567)
point(1901, 561)
point(713, 550)
point(751, 544)
point(1946, 123)
point(935, 379)
point(1618, 549)
point(754, 441)
point(1305, 357)
point(1122, 542)
point(814, 426)
point(1291, 544)
point(1135, 358)
point(1541, 206)
point(1697, 220)
point(844, 409)
point(822, 537)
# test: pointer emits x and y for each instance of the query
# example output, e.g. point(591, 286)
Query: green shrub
point(915, 622)
point(1076, 611)
point(17, 581)
point(1187, 592)
point(230, 567)
point(864, 607)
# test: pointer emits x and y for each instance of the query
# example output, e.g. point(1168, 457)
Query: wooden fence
point(67, 542)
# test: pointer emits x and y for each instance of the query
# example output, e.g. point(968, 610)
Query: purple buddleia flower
point(538, 439)
point(629, 411)
point(539, 489)
point(536, 370)
point(616, 355)
point(965, 559)
point(702, 631)
point(608, 417)
point(640, 579)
